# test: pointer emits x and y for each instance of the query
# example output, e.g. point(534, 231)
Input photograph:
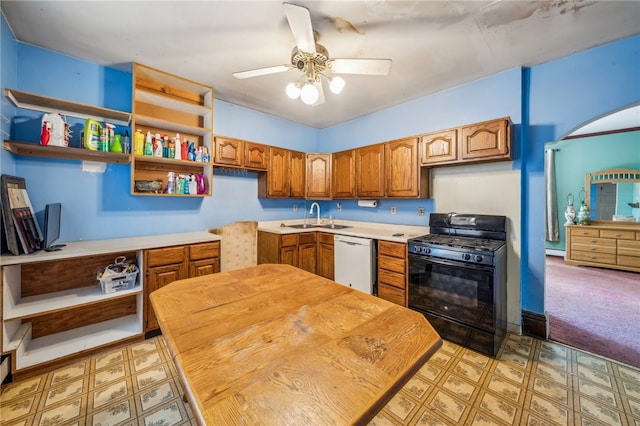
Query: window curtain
point(551, 210)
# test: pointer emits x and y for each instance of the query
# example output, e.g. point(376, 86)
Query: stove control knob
point(478, 258)
point(426, 250)
point(466, 256)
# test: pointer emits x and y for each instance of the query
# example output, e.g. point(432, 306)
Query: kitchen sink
point(301, 226)
point(305, 226)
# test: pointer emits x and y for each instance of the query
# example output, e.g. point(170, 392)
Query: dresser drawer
point(306, 238)
point(204, 251)
point(629, 248)
point(593, 241)
point(620, 235)
point(585, 232)
point(609, 249)
point(594, 257)
point(324, 238)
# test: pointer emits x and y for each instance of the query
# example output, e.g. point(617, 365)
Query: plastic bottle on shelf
point(139, 142)
point(178, 149)
point(116, 146)
point(126, 143)
point(148, 144)
point(157, 146)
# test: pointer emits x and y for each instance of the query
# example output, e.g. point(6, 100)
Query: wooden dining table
point(273, 344)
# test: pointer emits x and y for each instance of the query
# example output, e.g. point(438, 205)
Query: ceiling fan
point(312, 59)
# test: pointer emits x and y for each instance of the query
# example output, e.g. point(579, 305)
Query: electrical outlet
point(339, 206)
point(420, 211)
point(393, 209)
point(295, 207)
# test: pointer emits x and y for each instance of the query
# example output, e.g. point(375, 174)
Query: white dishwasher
point(354, 264)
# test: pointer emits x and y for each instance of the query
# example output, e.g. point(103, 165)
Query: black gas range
point(457, 278)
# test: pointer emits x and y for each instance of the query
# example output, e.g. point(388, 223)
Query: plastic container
point(117, 276)
point(92, 131)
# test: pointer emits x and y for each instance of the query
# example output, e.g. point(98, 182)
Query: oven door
point(453, 291)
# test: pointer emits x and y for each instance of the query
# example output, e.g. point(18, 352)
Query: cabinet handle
point(593, 257)
point(594, 248)
point(618, 235)
point(594, 241)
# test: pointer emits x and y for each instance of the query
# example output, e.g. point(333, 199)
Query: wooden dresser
point(604, 244)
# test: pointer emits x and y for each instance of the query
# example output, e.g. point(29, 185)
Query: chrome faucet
point(315, 203)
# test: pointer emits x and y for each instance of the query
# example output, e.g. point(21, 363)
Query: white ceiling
point(434, 45)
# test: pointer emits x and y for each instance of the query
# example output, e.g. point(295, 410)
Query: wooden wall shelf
point(46, 104)
point(34, 149)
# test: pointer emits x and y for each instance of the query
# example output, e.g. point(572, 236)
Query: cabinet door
point(228, 152)
point(401, 168)
point(297, 173)
point(439, 147)
point(157, 278)
point(325, 266)
point(289, 255)
point(255, 156)
point(307, 257)
point(204, 267)
point(318, 176)
point(278, 173)
point(343, 174)
point(370, 171)
point(485, 140)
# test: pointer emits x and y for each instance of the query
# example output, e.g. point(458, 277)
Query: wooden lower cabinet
point(168, 264)
point(325, 266)
point(297, 250)
point(605, 245)
point(392, 272)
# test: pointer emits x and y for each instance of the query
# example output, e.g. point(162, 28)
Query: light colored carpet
point(594, 309)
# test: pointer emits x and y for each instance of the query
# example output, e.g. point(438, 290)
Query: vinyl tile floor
point(530, 382)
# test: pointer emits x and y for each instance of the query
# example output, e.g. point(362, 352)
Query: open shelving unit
point(47, 104)
point(56, 308)
point(166, 104)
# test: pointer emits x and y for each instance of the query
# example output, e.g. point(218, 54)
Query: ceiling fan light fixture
point(336, 84)
point(309, 94)
point(293, 90)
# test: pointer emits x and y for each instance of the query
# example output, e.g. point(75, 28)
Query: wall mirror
point(614, 194)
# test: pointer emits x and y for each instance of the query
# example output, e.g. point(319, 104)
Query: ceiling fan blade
point(300, 22)
point(360, 66)
point(261, 71)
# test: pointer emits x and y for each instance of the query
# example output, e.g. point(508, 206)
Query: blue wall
point(545, 102)
point(562, 96)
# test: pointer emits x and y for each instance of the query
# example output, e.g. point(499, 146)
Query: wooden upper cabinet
point(487, 140)
point(297, 174)
point(255, 156)
point(370, 171)
point(275, 182)
point(239, 153)
point(343, 174)
point(318, 176)
point(404, 177)
point(439, 147)
point(228, 152)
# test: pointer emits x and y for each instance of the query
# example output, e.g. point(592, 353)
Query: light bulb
point(293, 90)
point(309, 94)
point(336, 85)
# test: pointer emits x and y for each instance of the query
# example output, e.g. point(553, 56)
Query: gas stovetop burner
point(467, 243)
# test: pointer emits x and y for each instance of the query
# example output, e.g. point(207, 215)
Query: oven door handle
point(439, 261)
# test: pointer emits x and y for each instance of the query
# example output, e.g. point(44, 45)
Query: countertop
point(373, 230)
point(94, 247)
point(273, 344)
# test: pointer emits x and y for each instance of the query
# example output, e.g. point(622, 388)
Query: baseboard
point(552, 252)
point(534, 324)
